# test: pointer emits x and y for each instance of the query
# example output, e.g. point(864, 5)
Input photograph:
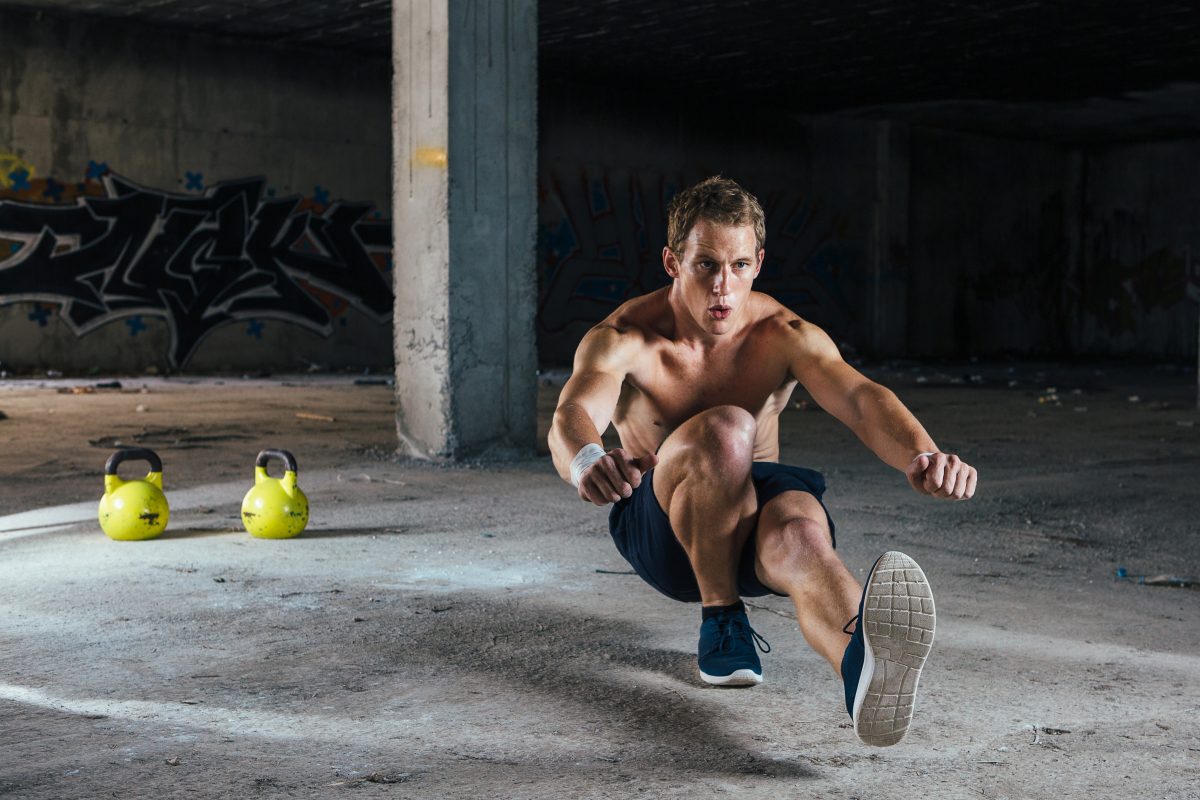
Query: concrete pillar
point(465, 171)
point(888, 250)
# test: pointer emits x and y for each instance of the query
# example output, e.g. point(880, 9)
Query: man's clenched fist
point(942, 475)
point(614, 476)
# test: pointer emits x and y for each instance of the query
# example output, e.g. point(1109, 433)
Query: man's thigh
point(643, 534)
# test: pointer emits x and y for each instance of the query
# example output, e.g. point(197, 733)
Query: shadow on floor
point(548, 668)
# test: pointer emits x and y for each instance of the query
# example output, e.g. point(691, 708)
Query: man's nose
point(722, 280)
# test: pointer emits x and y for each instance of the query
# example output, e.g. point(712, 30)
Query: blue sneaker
point(727, 650)
point(888, 648)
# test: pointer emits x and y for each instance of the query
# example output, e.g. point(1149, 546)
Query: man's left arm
point(877, 417)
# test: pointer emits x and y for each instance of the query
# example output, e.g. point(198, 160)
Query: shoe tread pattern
point(899, 627)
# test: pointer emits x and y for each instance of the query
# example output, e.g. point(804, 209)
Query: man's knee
point(725, 434)
point(709, 457)
point(795, 546)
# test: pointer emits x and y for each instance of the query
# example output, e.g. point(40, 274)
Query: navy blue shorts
point(642, 532)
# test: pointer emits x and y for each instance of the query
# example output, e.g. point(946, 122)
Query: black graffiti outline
point(200, 262)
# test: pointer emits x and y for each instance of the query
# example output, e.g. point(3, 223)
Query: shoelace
point(731, 628)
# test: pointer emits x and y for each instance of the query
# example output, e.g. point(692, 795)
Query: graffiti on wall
point(14, 170)
point(200, 262)
point(600, 240)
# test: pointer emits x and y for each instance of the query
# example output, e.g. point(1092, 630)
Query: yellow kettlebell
point(137, 509)
point(275, 508)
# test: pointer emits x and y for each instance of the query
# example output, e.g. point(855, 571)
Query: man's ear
point(758, 267)
point(670, 262)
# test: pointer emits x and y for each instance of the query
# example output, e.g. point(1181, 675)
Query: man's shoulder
point(611, 334)
point(618, 339)
point(638, 319)
point(787, 330)
point(776, 319)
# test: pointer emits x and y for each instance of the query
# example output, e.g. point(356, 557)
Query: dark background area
point(942, 179)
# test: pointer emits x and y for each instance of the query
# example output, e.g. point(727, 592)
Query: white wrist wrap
point(589, 454)
point(923, 454)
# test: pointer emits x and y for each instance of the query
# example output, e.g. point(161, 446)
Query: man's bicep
point(596, 393)
point(821, 370)
point(599, 371)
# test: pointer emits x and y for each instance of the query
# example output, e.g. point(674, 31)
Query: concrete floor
point(449, 632)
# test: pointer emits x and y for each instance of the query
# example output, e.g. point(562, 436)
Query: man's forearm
point(570, 431)
point(888, 428)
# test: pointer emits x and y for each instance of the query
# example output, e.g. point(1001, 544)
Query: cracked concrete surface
point(449, 632)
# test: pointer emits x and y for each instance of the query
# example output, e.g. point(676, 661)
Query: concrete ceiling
point(343, 24)
point(1066, 70)
point(1070, 70)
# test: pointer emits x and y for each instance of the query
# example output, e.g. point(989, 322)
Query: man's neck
point(690, 333)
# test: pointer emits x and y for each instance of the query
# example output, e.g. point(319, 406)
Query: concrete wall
point(1140, 233)
point(235, 201)
point(1033, 249)
point(898, 241)
point(138, 165)
point(989, 230)
point(608, 166)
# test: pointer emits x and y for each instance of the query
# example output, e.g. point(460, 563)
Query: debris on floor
point(374, 777)
point(1158, 580)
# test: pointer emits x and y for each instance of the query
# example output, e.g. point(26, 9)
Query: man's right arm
point(585, 408)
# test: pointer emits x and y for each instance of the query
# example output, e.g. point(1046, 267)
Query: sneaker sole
point(741, 677)
point(899, 620)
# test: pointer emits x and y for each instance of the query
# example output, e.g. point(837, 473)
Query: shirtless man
point(694, 377)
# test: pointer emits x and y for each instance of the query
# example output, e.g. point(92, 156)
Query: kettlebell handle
point(289, 460)
point(132, 454)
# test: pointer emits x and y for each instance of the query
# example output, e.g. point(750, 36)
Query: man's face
point(714, 272)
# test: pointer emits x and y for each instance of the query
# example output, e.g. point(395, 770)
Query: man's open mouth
point(720, 312)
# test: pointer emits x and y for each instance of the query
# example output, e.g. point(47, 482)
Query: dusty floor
point(471, 632)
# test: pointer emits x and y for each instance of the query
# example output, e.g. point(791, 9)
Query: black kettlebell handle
point(289, 460)
point(132, 454)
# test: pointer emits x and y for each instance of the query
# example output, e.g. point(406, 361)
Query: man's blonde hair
point(715, 199)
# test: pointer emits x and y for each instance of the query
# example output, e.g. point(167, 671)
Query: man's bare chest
point(674, 388)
